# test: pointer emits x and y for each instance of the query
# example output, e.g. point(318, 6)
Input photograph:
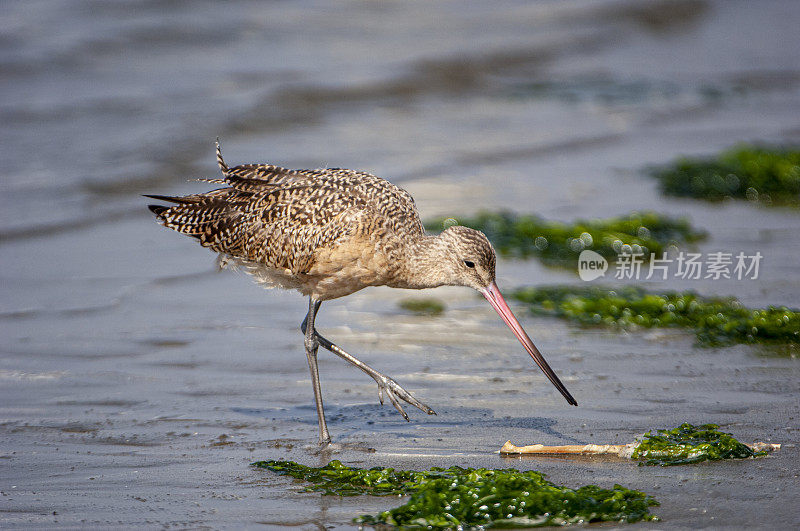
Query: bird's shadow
point(374, 417)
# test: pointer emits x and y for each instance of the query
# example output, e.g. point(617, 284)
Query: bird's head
point(471, 262)
point(471, 257)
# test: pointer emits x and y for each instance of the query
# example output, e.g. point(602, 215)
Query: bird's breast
point(351, 265)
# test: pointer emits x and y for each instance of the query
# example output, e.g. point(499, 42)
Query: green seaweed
point(423, 306)
point(688, 444)
point(341, 480)
point(716, 321)
point(769, 175)
point(559, 243)
point(470, 498)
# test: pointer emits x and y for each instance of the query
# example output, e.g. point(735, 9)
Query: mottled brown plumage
point(331, 232)
point(326, 233)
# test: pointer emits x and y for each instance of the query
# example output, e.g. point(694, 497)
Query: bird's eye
point(469, 264)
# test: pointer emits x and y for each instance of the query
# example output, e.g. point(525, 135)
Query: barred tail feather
point(220, 161)
point(158, 210)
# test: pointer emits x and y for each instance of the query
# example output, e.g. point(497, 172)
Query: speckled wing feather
point(280, 218)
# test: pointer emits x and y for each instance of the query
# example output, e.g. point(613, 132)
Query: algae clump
point(560, 244)
point(470, 498)
point(716, 321)
point(423, 306)
point(769, 175)
point(688, 444)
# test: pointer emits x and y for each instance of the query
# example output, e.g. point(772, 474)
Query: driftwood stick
point(764, 447)
point(622, 450)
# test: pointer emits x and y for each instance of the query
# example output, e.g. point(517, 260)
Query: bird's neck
point(424, 263)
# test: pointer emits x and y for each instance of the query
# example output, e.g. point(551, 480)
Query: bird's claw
point(394, 391)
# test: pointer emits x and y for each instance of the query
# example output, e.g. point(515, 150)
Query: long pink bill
point(497, 301)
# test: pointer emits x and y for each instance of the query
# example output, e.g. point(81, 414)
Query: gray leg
point(312, 345)
point(393, 390)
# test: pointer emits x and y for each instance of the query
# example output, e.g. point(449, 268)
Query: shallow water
point(137, 384)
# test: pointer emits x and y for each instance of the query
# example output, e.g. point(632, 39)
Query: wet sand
point(137, 383)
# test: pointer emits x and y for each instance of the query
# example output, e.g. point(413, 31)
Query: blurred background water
point(137, 383)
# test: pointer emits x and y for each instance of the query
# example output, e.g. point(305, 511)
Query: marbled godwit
point(329, 233)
